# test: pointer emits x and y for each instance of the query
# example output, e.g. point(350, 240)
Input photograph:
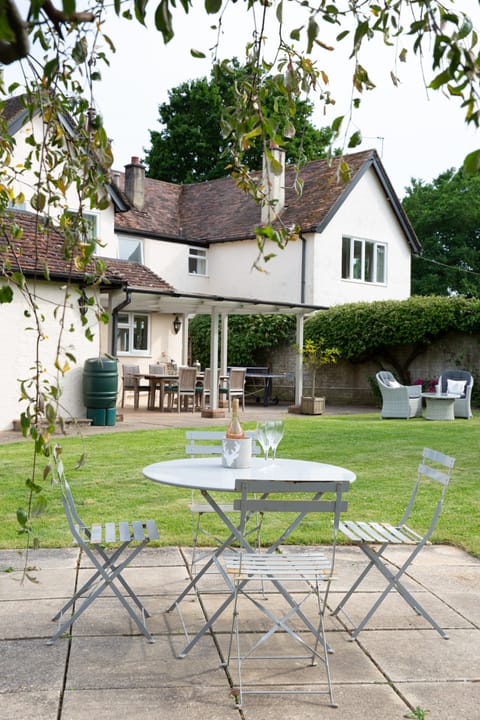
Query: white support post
point(184, 319)
point(299, 362)
point(214, 359)
point(224, 345)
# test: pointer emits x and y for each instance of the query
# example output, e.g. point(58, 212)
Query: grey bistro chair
point(375, 538)
point(203, 443)
point(110, 547)
point(311, 573)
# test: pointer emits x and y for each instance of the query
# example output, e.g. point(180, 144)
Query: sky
point(418, 134)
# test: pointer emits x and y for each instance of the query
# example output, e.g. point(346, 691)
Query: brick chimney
point(274, 184)
point(135, 183)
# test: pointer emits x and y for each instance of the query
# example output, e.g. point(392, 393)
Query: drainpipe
point(115, 312)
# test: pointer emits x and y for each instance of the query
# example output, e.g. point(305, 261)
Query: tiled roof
point(217, 210)
point(160, 214)
point(13, 108)
point(40, 249)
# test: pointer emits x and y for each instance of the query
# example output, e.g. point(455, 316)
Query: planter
point(313, 405)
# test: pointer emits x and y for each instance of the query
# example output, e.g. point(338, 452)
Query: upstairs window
point(363, 260)
point(133, 334)
point(85, 224)
point(197, 261)
point(130, 249)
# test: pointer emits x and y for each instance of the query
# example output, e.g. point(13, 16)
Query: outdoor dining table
point(209, 476)
point(158, 381)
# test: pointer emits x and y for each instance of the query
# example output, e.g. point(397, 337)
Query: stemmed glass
point(275, 434)
point(263, 438)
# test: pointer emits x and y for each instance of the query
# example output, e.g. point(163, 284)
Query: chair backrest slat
point(236, 379)
point(434, 466)
point(187, 379)
point(269, 501)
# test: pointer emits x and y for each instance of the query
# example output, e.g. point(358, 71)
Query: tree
point(191, 147)
point(446, 217)
point(69, 47)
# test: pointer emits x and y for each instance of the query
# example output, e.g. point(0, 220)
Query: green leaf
point(213, 6)
point(465, 29)
point(337, 123)
point(442, 79)
point(163, 21)
point(33, 486)
point(312, 33)
point(355, 139)
point(6, 294)
point(279, 12)
point(197, 53)
point(471, 164)
point(22, 518)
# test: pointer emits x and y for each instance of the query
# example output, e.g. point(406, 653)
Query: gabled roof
point(217, 211)
point(40, 250)
point(16, 114)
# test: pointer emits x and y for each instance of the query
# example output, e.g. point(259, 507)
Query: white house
point(173, 251)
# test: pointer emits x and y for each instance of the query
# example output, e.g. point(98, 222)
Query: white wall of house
point(230, 269)
point(17, 353)
point(325, 285)
point(26, 183)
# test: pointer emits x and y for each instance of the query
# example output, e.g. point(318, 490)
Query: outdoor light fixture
point(177, 324)
point(83, 303)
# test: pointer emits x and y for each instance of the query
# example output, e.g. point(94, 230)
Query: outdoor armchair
point(399, 401)
point(461, 382)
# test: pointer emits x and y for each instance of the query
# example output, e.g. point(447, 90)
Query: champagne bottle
point(234, 430)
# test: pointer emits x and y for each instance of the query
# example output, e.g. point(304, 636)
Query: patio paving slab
point(107, 669)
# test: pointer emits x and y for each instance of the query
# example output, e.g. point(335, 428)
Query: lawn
point(383, 453)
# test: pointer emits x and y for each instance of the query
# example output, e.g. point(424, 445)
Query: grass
point(383, 454)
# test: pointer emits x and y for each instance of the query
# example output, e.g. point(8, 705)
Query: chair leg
point(106, 575)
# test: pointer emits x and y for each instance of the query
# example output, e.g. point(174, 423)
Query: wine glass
point(275, 430)
point(263, 438)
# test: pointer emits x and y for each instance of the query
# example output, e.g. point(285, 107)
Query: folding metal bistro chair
point(204, 443)
point(311, 573)
point(108, 568)
point(374, 539)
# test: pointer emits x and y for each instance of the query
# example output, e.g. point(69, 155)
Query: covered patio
point(186, 305)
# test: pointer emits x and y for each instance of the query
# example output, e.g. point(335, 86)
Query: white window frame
point(139, 244)
point(358, 251)
point(93, 218)
point(128, 325)
point(200, 256)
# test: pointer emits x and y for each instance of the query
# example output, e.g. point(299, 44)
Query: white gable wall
point(17, 352)
point(366, 214)
point(26, 183)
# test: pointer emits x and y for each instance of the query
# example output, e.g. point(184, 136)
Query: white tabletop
point(208, 473)
point(440, 396)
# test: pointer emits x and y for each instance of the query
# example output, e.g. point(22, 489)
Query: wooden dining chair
point(185, 389)
point(235, 386)
point(131, 382)
point(293, 577)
